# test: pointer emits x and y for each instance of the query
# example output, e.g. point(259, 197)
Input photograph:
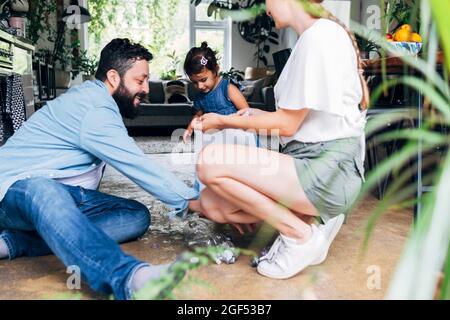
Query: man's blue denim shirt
point(71, 134)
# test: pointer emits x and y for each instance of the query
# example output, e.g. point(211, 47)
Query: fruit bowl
point(404, 48)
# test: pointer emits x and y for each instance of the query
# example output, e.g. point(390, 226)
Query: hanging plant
point(102, 12)
point(259, 31)
point(39, 15)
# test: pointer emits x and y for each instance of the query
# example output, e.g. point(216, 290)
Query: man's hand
point(194, 205)
point(240, 227)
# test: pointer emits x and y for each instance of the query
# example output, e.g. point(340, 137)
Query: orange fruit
point(406, 27)
point(415, 37)
point(402, 35)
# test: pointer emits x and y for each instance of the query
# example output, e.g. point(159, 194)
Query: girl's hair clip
point(204, 61)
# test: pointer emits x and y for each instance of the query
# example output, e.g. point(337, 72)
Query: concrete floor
point(348, 273)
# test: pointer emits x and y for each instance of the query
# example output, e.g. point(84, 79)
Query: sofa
point(259, 93)
point(169, 103)
point(160, 111)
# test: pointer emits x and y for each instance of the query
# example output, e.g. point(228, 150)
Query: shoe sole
point(286, 275)
point(278, 277)
point(334, 231)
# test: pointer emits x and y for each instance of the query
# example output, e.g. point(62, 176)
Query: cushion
point(247, 92)
point(176, 91)
point(255, 86)
point(192, 91)
point(156, 92)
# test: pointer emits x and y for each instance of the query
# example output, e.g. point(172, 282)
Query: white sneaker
point(287, 257)
point(330, 230)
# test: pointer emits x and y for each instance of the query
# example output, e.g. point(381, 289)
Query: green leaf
point(423, 258)
point(398, 192)
point(274, 35)
point(263, 60)
point(243, 14)
point(433, 138)
point(436, 99)
point(395, 161)
point(445, 289)
point(440, 10)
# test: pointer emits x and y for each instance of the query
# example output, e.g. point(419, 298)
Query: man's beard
point(125, 100)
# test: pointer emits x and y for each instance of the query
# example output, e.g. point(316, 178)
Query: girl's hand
point(187, 136)
point(196, 124)
point(242, 112)
point(211, 121)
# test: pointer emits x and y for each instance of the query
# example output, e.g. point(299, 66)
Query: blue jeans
point(40, 216)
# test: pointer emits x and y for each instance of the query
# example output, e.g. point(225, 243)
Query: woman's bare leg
point(220, 210)
point(268, 197)
point(217, 209)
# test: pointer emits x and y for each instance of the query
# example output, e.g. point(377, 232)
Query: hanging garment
point(6, 129)
point(12, 114)
point(5, 120)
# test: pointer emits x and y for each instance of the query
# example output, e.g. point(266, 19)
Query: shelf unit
point(44, 80)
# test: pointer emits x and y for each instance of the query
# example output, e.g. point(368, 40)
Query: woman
point(319, 172)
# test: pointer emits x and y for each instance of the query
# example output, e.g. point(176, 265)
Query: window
point(162, 26)
point(215, 31)
point(167, 27)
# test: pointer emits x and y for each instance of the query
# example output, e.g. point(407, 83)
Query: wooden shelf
point(394, 65)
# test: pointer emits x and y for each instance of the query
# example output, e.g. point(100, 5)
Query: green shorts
point(331, 173)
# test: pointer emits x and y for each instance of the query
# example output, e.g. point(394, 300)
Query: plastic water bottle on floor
point(200, 232)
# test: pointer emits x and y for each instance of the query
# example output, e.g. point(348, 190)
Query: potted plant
point(63, 65)
point(234, 76)
point(401, 12)
point(83, 63)
point(62, 78)
point(171, 74)
point(18, 17)
point(90, 68)
point(402, 26)
point(366, 47)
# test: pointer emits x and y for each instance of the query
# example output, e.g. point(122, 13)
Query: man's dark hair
point(120, 54)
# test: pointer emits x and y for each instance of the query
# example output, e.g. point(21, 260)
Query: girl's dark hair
point(200, 57)
point(120, 55)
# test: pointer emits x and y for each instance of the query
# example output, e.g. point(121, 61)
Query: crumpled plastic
point(201, 232)
point(255, 260)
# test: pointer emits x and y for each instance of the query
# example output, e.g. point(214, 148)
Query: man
point(50, 170)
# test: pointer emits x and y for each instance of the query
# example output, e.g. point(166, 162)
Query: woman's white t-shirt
point(322, 75)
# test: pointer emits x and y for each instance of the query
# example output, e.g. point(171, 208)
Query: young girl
point(217, 95)
point(319, 97)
